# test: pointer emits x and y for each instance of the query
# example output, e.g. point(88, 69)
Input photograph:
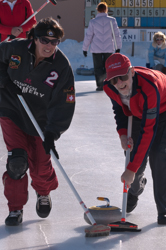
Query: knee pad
point(17, 163)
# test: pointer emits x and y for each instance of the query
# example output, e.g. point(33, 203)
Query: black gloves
point(11, 87)
point(12, 37)
point(164, 70)
point(148, 66)
point(48, 143)
point(85, 53)
point(117, 51)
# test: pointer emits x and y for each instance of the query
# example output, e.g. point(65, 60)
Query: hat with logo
point(117, 65)
point(45, 32)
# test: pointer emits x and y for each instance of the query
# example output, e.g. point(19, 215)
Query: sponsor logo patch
point(50, 33)
point(114, 65)
point(27, 80)
point(14, 62)
point(69, 90)
point(70, 98)
point(70, 94)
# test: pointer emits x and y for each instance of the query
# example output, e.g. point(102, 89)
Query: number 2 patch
point(50, 79)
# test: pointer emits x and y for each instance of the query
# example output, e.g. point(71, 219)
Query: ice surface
point(91, 155)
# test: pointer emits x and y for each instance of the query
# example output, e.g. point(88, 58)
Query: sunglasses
point(159, 39)
point(45, 40)
point(122, 78)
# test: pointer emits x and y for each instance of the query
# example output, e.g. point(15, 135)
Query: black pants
point(99, 67)
point(157, 162)
point(137, 187)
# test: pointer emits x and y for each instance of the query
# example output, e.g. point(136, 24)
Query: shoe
point(144, 181)
point(99, 88)
point(131, 202)
point(14, 218)
point(161, 219)
point(43, 205)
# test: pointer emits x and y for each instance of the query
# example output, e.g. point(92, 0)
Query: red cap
point(117, 65)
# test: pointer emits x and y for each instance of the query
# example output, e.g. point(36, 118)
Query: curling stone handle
point(104, 199)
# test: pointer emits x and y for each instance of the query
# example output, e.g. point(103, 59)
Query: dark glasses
point(122, 78)
point(159, 39)
point(45, 40)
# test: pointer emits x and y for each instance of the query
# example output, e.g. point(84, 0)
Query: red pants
point(43, 175)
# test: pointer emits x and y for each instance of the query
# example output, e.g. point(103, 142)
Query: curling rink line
point(78, 173)
point(83, 146)
point(1, 158)
point(44, 235)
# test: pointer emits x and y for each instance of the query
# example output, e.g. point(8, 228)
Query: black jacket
point(48, 89)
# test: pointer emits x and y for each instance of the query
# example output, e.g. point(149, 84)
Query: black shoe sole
point(41, 215)
point(13, 223)
point(131, 209)
point(161, 220)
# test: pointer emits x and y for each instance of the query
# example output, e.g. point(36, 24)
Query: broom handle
point(125, 190)
point(33, 120)
point(113, 35)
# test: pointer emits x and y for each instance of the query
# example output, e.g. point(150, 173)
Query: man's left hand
point(128, 177)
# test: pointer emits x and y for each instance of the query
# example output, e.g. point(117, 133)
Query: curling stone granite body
point(85, 71)
point(104, 215)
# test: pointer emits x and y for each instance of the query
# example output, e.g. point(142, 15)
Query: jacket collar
point(162, 47)
point(17, 1)
point(10, 4)
point(101, 14)
point(6, 1)
point(135, 84)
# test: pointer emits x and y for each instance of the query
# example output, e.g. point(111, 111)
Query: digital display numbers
point(131, 13)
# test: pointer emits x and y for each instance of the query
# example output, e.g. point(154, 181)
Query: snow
point(73, 50)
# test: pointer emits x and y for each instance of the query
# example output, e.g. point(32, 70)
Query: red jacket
point(9, 19)
point(148, 100)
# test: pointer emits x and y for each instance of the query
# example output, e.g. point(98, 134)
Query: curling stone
point(104, 214)
point(84, 71)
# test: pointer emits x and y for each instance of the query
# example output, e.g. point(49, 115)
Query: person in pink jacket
point(100, 39)
point(12, 14)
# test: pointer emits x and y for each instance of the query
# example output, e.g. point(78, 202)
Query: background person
point(12, 14)
point(99, 36)
point(140, 92)
point(157, 53)
point(37, 69)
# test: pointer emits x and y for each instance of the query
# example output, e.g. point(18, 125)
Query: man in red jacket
point(12, 14)
point(140, 92)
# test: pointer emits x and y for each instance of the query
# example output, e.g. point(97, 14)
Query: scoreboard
point(131, 13)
